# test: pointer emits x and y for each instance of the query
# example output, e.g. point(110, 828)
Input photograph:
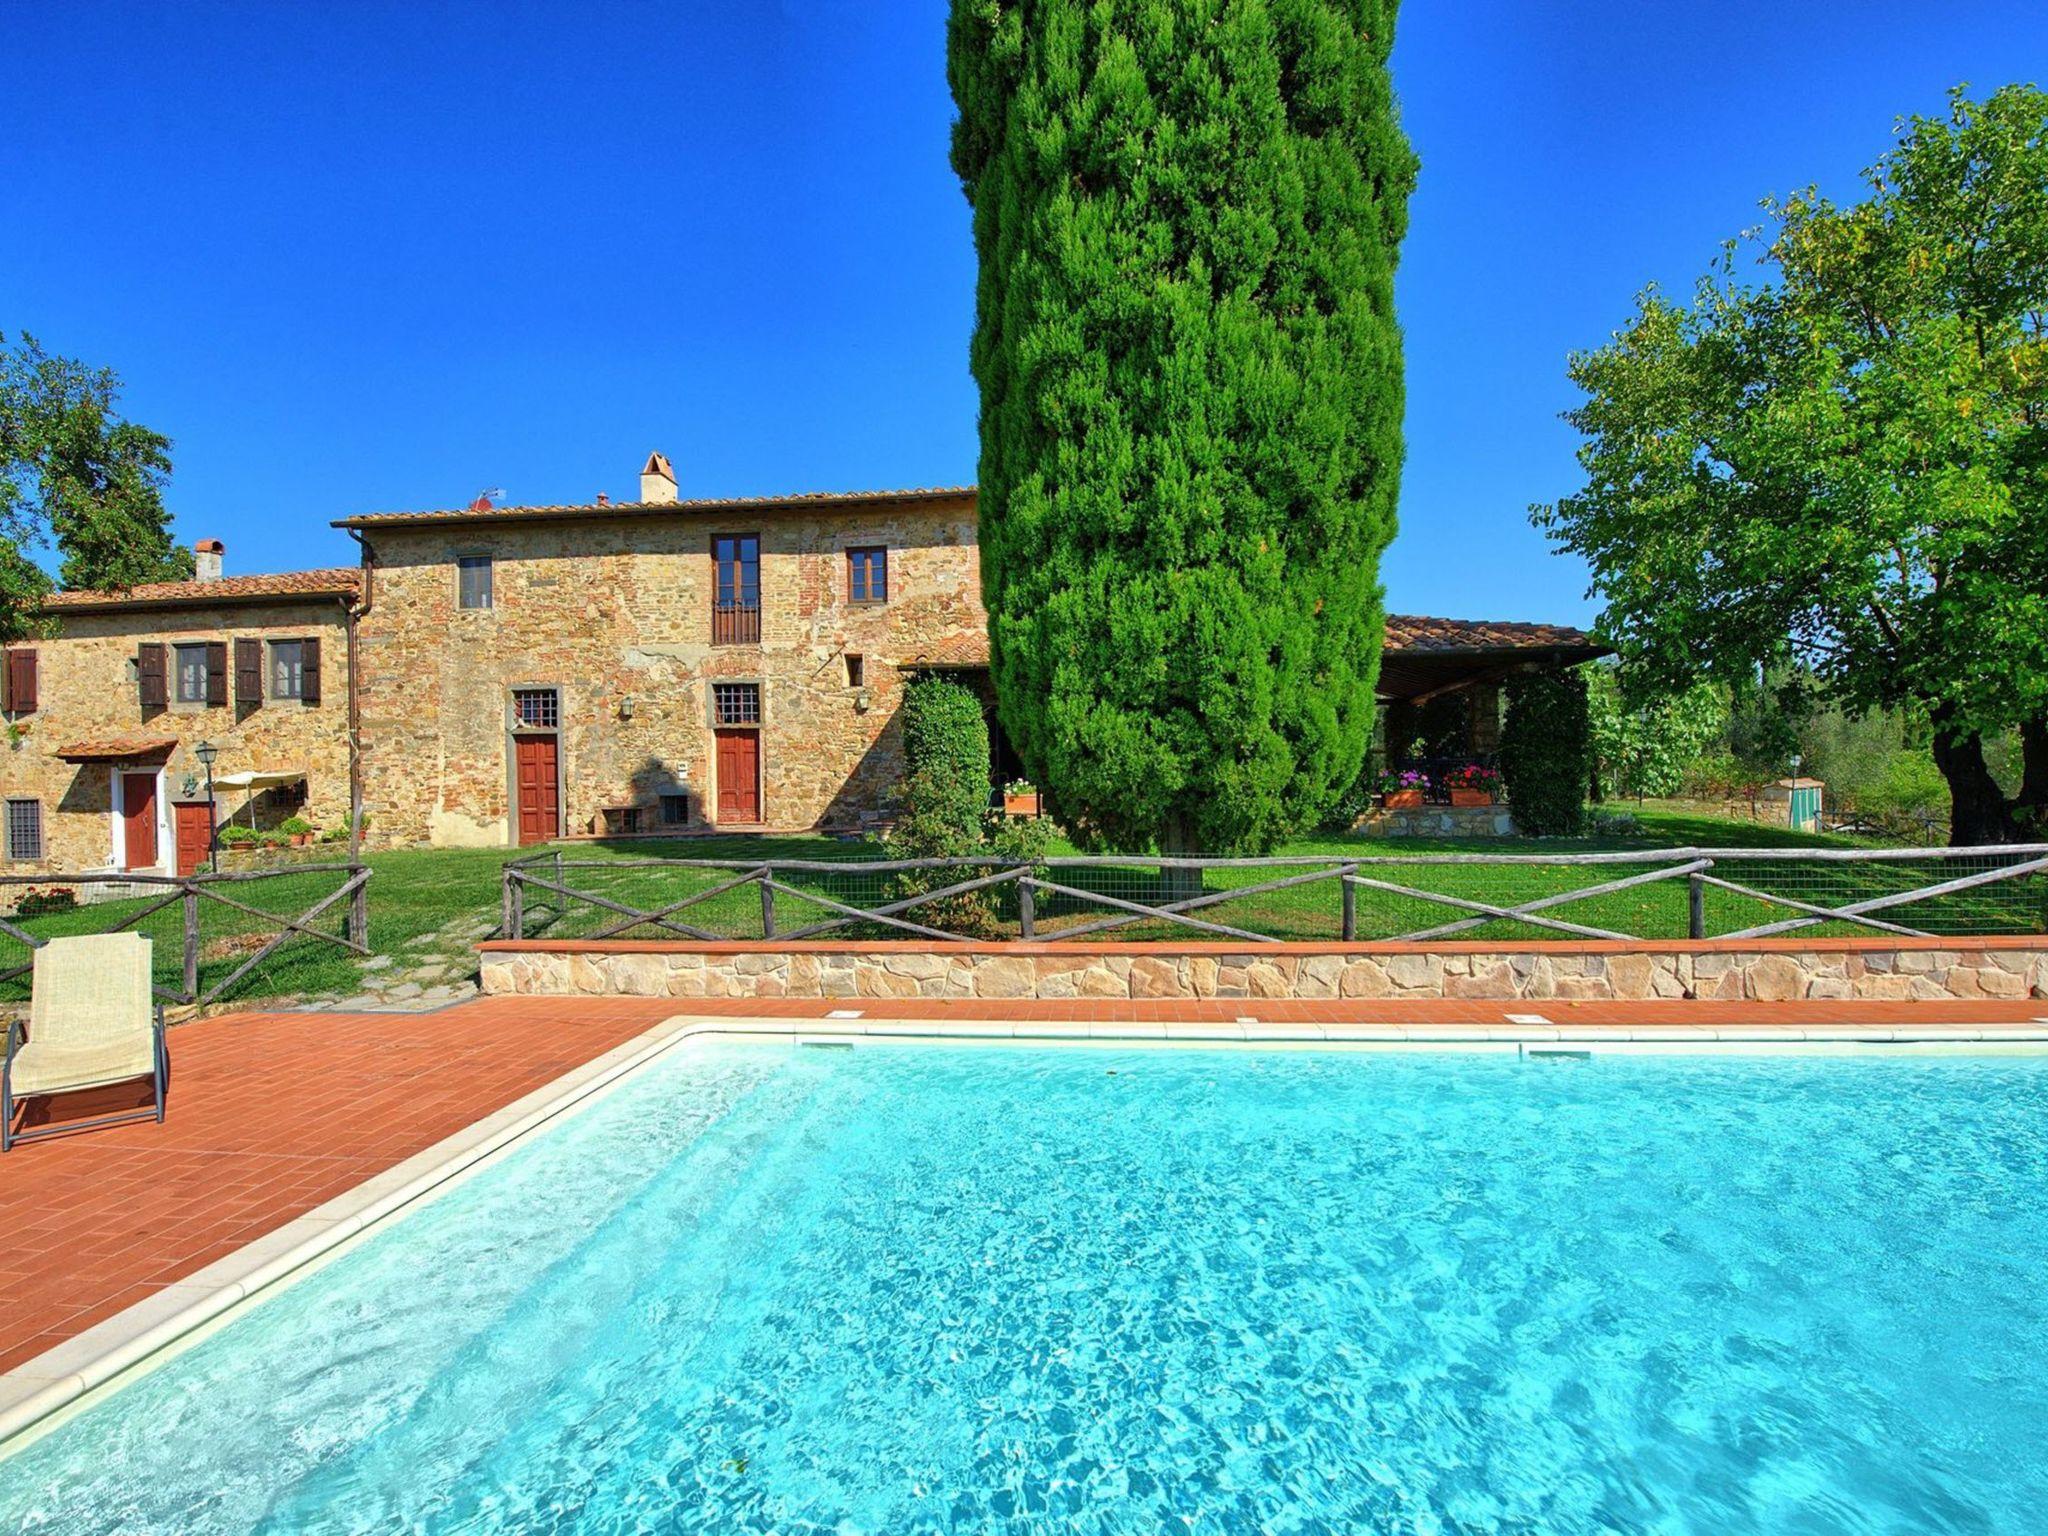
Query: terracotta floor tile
point(269, 1115)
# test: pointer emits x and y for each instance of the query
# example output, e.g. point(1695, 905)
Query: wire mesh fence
point(211, 935)
point(1481, 898)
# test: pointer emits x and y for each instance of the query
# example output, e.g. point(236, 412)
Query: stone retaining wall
point(1438, 821)
point(1790, 970)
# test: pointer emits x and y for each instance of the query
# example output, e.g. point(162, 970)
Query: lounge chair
point(92, 1022)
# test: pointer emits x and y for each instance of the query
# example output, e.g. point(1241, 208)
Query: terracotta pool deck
point(272, 1114)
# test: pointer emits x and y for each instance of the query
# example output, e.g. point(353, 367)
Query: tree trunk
point(2030, 810)
point(1978, 812)
point(1176, 841)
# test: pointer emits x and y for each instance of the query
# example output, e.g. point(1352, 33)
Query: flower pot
point(1020, 805)
point(1471, 797)
point(1402, 800)
point(303, 839)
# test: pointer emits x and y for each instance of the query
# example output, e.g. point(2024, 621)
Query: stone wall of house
point(615, 613)
point(86, 691)
point(1363, 972)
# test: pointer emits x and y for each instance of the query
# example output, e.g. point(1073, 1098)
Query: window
point(24, 829)
point(675, 810)
point(867, 575)
point(736, 597)
point(20, 683)
point(473, 581)
point(287, 669)
point(736, 703)
point(856, 671)
point(537, 707)
point(191, 673)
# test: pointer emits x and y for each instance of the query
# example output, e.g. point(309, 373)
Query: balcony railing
point(735, 624)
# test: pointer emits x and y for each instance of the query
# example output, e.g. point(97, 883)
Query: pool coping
point(40, 1389)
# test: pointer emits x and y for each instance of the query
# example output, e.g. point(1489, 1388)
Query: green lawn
point(426, 903)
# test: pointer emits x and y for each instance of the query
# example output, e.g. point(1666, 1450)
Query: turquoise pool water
point(765, 1289)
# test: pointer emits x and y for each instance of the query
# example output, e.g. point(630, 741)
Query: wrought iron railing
point(1673, 893)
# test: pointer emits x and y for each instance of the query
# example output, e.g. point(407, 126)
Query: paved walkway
point(272, 1114)
point(269, 1116)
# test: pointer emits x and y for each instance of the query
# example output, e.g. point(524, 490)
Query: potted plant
point(238, 839)
point(1473, 785)
point(299, 830)
point(1020, 798)
point(1403, 790)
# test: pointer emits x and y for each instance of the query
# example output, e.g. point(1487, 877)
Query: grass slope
point(436, 903)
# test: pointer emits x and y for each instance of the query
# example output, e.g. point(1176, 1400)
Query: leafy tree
point(75, 473)
point(1546, 751)
point(1843, 457)
point(1643, 746)
point(1187, 214)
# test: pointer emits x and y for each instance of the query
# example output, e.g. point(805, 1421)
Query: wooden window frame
point(213, 664)
point(271, 690)
point(471, 560)
point(863, 560)
point(736, 622)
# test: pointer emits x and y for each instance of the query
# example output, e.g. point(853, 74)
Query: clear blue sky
point(368, 256)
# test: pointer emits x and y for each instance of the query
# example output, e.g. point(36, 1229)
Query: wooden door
point(536, 766)
point(193, 828)
point(138, 820)
point(739, 776)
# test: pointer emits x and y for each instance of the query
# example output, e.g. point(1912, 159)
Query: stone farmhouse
point(498, 675)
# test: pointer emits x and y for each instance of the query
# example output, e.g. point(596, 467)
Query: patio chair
point(92, 1022)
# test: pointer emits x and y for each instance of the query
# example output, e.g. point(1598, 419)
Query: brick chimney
point(657, 479)
point(207, 556)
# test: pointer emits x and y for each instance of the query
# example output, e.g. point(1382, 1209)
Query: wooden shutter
point(248, 673)
point(150, 678)
point(21, 682)
point(216, 671)
point(309, 670)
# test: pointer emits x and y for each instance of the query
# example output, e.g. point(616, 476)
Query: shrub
point(296, 826)
point(945, 755)
point(39, 900)
point(1545, 751)
point(945, 802)
point(238, 837)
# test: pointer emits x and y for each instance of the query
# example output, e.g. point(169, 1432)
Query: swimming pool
point(763, 1288)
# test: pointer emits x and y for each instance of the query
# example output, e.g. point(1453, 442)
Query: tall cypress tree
point(1187, 214)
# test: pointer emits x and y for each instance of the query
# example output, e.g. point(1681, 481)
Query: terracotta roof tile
point(117, 749)
point(795, 502)
point(1408, 633)
point(339, 581)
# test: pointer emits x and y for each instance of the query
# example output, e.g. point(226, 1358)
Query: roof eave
point(211, 600)
point(635, 510)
